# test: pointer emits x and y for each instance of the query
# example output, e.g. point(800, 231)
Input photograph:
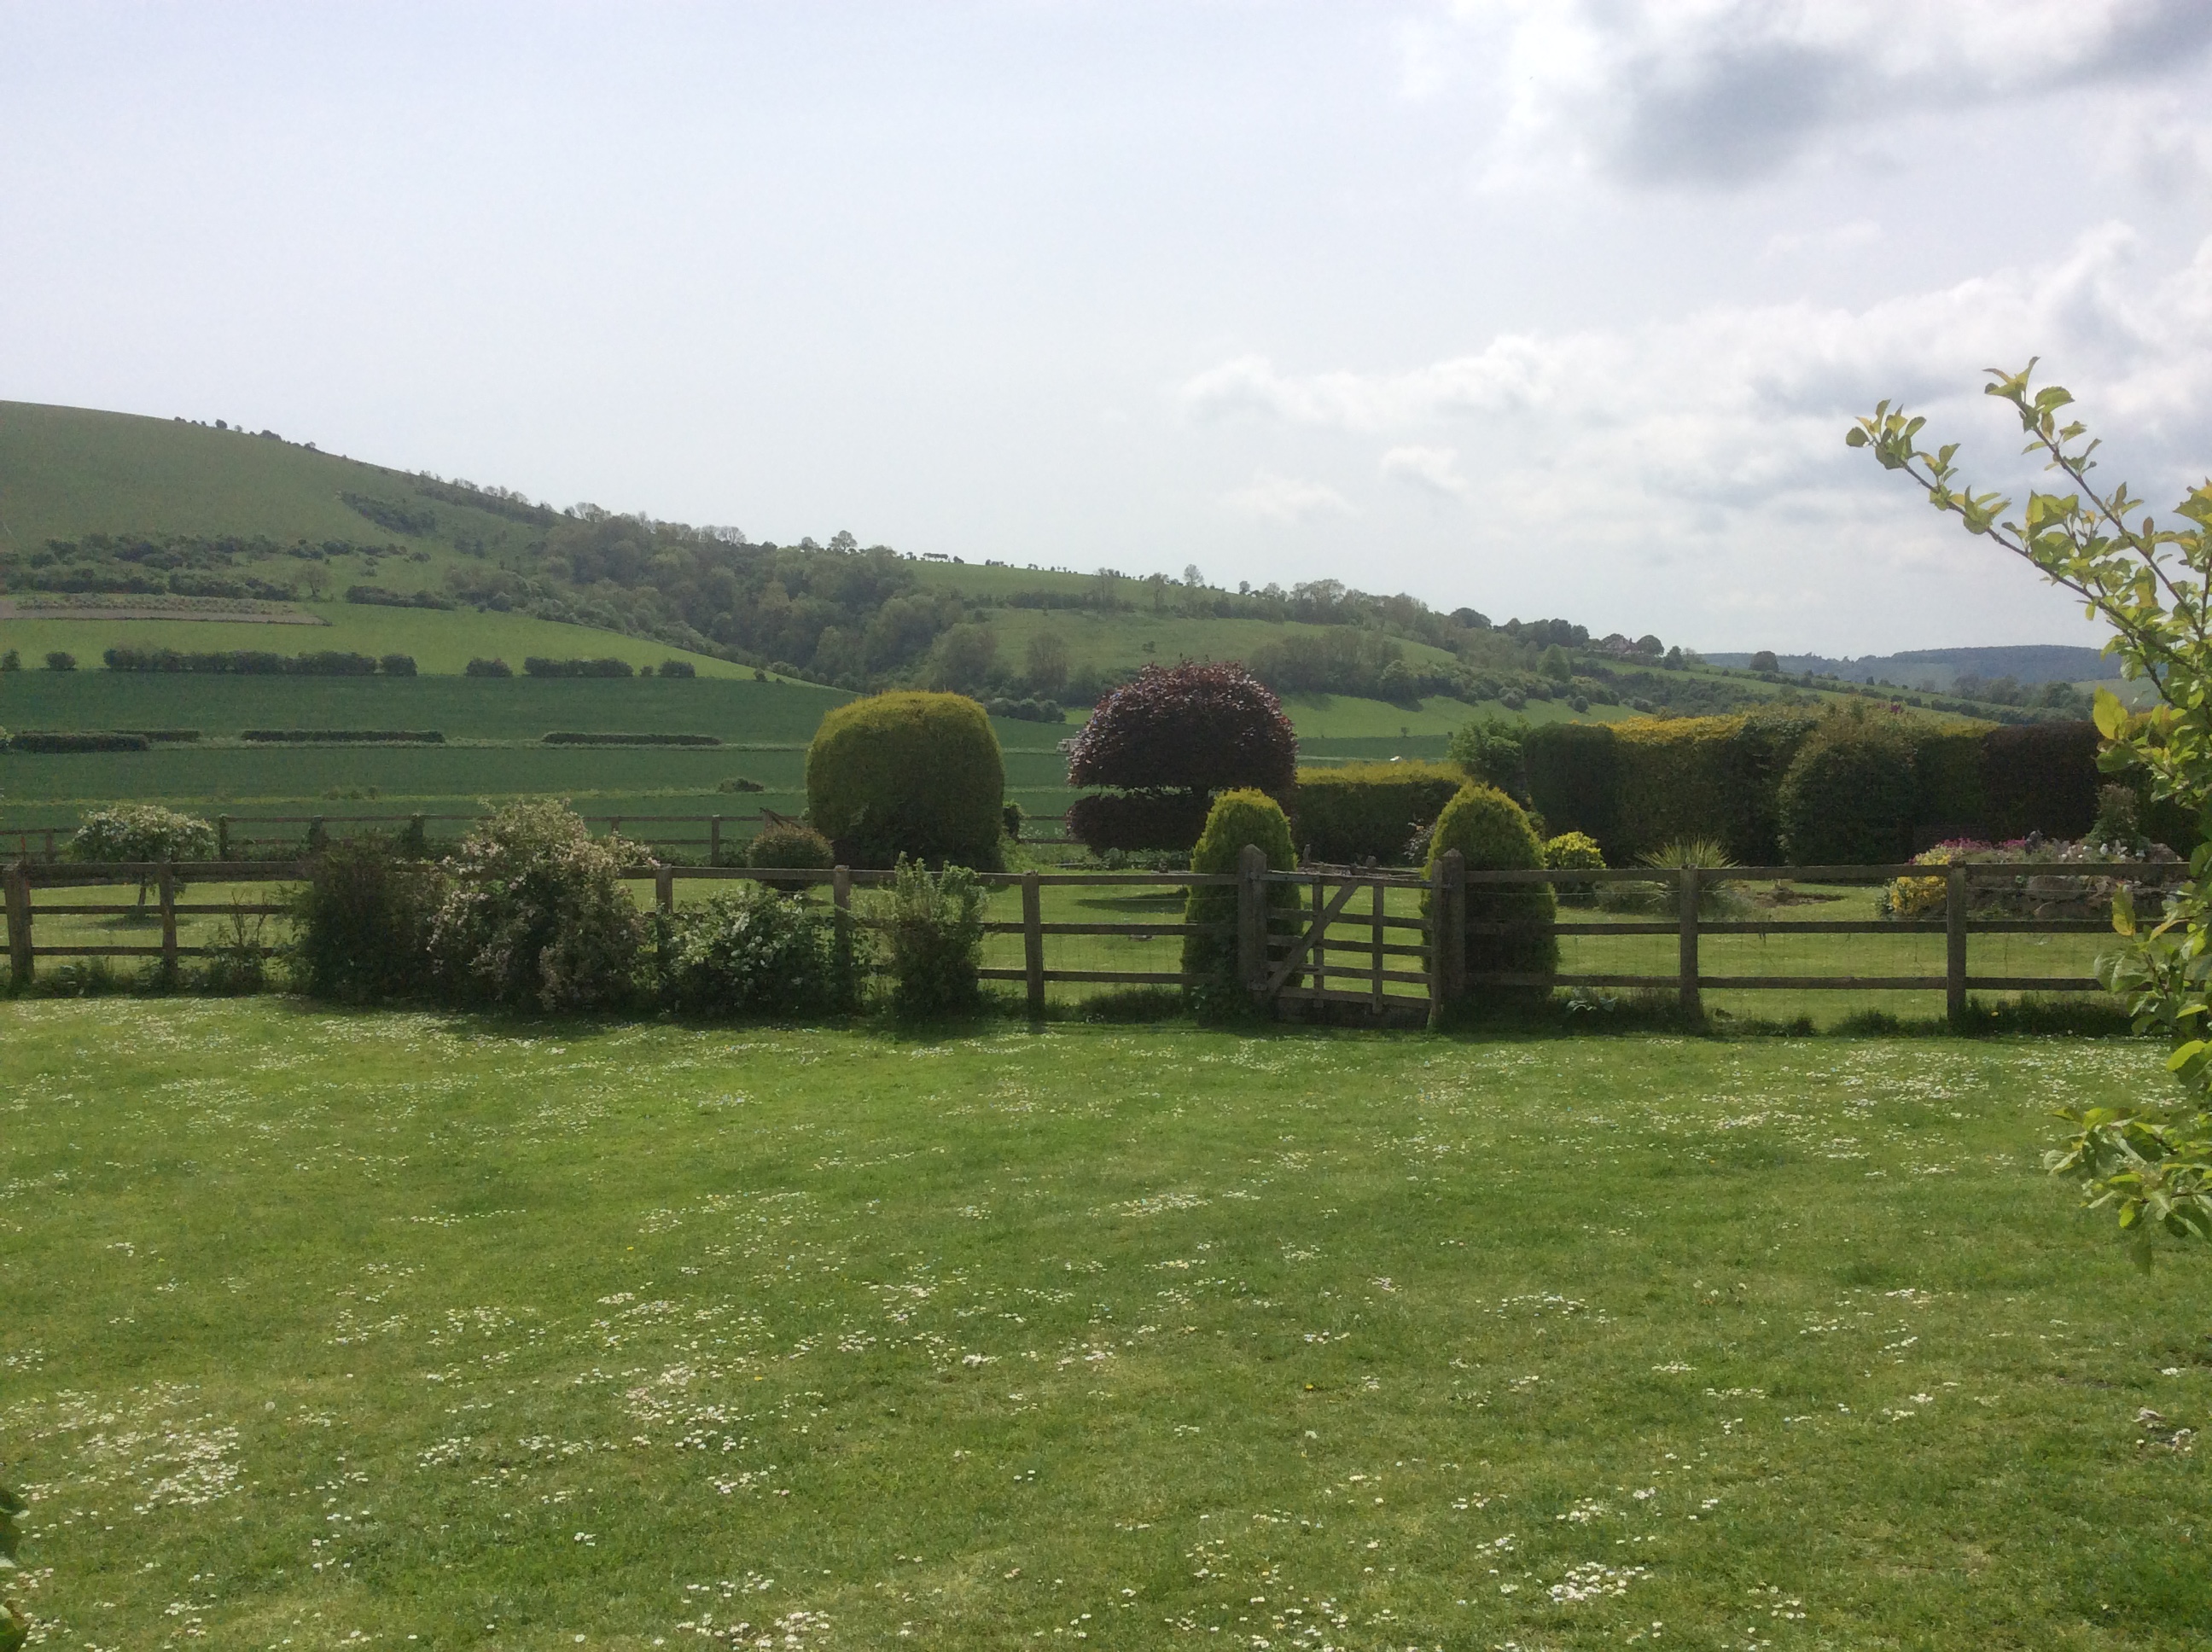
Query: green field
point(43, 791)
point(442, 642)
point(331, 1330)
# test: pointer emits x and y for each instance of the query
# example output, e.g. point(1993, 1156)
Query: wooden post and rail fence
point(1318, 936)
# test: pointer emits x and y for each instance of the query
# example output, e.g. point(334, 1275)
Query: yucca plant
point(1716, 898)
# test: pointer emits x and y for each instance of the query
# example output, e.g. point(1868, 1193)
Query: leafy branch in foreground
point(2152, 1161)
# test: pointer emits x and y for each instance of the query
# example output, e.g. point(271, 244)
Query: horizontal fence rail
point(1318, 936)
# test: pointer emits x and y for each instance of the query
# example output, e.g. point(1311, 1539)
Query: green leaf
point(2109, 714)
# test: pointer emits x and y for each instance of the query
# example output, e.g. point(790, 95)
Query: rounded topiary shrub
point(1492, 833)
point(908, 773)
point(789, 844)
point(1166, 742)
point(1846, 798)
point(1209, 952)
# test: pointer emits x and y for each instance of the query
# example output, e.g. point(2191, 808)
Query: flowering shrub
point(755, 952)
point(534, 915)
point(142, 831)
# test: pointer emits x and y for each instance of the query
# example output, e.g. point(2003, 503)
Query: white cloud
point(1285, 500)
point(1436, 469)
point(1723, 92)
point(1704, 456)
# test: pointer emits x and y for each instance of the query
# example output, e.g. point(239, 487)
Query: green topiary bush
point(916, 774)
point(534, 915)
point(1213, 989)
point(1492, 833)
point(1370, 810)
point(1847, 797)
point(932, 928)
point(361, 924)
point(755, 952)
point(789, 844)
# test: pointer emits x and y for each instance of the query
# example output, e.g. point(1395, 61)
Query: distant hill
point(175, 518)
point(1937, 669)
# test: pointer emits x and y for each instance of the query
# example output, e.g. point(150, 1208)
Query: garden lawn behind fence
point(409, 1330)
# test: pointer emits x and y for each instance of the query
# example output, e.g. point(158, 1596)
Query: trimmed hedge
point(573, 737)
point(1634, 785)
point(1848, 797)
point(2042, 777)
point(488, 668)
point(912, 774)
point(1949, 798)
point(343, 736)
point(1492, 833)
point(1574, 777)
point(538, 666)
point(1349, 814)
point(1209, 953)
point(679, 668)
point(1675, 780)
point(166, 736)
point(1137, 820)
point(53, 741)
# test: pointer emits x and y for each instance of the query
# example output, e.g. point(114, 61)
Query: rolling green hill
point(112, 508)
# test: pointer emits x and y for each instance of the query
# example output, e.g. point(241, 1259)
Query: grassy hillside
point(222, 515)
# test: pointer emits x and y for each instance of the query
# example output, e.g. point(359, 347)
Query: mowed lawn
point(401, 1330)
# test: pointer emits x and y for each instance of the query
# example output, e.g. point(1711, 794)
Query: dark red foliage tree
point(1168, 740)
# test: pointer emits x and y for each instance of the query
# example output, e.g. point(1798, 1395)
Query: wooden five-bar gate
point(1319, 941)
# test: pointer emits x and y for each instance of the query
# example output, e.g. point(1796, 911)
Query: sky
point(1548, 307)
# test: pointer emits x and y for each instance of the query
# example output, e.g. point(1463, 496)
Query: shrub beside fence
point(1345, 951)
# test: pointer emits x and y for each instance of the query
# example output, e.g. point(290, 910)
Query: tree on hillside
point(1764, 660)
point(1044, 664)
point(2151, 1160)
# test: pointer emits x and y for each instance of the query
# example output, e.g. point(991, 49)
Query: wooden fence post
point(1455, 972)
point(222, 837)
point(1954, 940)
point(714, 840)
point(841, 906)
point(1692, 1001)
point(1033, 943)
point(1252, 918)
point(1375, 945)
point(168, 887)
point(19, 960)
point(664, 888)
point(1315, 953)
point(1432, 938)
